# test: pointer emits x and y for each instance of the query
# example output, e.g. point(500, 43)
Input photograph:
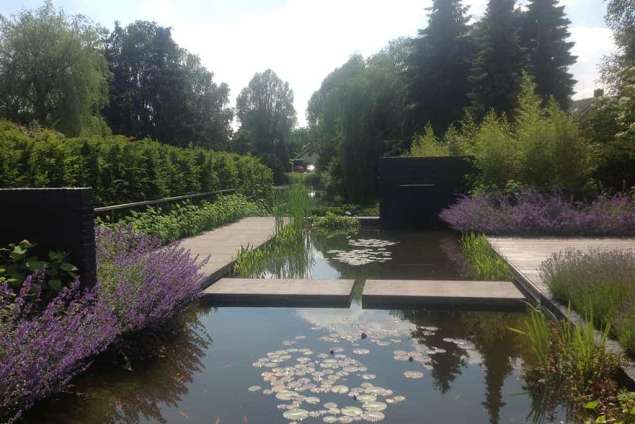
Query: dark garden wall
point(412, 191)
point(55, 219)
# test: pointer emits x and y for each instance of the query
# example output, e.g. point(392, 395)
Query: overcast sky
point(304, 40)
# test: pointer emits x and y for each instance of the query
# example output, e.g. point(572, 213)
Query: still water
point(283, 365)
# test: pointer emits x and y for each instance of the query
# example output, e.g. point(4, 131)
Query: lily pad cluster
point(297, 377)
point(372, 250)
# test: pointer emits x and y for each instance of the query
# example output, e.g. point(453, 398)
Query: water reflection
point(110, 394)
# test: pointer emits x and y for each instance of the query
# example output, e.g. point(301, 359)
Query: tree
point(159, 90)
point(439, 66)
point(544, 36)
point(620, 17)
point(497, 69)
point(265, 111)
point(53, 71)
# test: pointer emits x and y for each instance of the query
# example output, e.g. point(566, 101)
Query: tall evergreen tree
point(497, 70)
point(439, 67)
point(544, 36)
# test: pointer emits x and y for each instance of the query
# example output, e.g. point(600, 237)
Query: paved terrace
point(223, 244)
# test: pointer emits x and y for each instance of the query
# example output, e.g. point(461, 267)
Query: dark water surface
point(471, 362)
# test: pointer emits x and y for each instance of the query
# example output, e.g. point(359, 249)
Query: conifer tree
point(499, 63)
point(439, 67)
point(544, 36)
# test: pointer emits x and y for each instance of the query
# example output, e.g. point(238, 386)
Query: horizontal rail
point(106, 209)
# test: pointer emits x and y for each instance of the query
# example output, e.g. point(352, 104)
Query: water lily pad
point(296, 414)
point(330, 419)
point(286, 395)
point(330, 405)
point(339, 389)
point(254, 388)
point(413, 375)
point(352, 411)
point(374, 406)
point(373, 416)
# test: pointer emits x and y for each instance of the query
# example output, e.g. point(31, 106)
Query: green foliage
point(53, 71)
point(330, 223)
point(545, 36)
point(573, 368)
point(121, 170)
point(356, 115)
point(266, 114)
point(497, 70)
point(599, 284)
point(428, 145)
point(288, 246)
point(543, 147)
point(16, 263)
point(187, 219)
point(439, 66)
point(161, 91)
point(483, 262)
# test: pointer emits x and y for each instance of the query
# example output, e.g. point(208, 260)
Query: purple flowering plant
point(144, 283)
point(42, 349)
point(533, 213)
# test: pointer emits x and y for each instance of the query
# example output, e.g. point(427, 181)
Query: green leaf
point(592, 405)
point(32, 264)
point(68, 267)
point(55, 285)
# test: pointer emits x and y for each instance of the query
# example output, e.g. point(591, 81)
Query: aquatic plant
point(329, 223)
point(483, 262)
point(40, 351)
point(573, 366)
point(144, 283)
point(187, 219)
point(286, 255)
point(532, 213)
point(599, 284)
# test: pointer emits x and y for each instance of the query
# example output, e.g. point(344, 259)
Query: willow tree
point(53, 71)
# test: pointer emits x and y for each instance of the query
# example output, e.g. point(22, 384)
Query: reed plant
point(483, 261)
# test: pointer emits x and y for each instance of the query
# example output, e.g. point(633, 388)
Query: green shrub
point(484, 263)
point(331, 222)
point(427, 145)
point(122, 170)
point(187, 220)
point(600, 284)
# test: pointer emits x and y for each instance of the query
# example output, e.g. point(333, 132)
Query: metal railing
point(113, 209)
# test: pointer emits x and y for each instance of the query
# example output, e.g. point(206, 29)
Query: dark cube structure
point(412, 191)
point(55, 219)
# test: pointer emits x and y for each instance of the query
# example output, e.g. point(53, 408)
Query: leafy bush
point(484, 263)
point(41, 351)
point(332, 222)
point(16, 264)
point(144, 284)
point(597, 283)
point(186, 220)
point(533, 213)
point(122, 170)
point(428, 145)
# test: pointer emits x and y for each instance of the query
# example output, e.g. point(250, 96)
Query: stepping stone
point(413, 293)
point(279, 292)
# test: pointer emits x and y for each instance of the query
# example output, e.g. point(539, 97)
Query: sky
point(304, 40)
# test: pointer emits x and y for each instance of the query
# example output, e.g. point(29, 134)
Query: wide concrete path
point(274, 292)
point(526, 255)
point(223, 244)
point(380, 293)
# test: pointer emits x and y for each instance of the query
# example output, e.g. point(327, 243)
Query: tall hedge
point(122, 170)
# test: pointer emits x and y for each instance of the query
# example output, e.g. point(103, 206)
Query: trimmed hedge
point(123, 170)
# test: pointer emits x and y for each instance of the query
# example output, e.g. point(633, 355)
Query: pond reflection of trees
point(113, 395)
point(495, 346)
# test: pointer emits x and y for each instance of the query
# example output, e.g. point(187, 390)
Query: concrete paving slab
point(223, 244)
point(396, 293)
point(280, 292)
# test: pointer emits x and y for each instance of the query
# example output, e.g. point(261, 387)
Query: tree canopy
point(267, 115)
point(159, 90)
point(53, 71)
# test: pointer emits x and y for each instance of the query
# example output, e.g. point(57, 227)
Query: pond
point(285, 365)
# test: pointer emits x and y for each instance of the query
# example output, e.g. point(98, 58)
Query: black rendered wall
point(54, 218)
point(412, 191)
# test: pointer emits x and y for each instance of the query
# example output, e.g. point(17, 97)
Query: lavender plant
point(144, 284)
point(534, 213)
point(40, 351)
